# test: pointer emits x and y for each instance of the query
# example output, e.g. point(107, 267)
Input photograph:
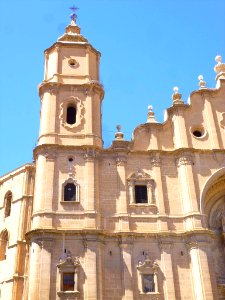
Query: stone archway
point(213, 207)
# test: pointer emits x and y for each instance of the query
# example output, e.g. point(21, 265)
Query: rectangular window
point(141, 195)
point(68, 281)
point(148, 283)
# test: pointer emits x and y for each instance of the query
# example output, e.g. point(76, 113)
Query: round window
point(198, 131)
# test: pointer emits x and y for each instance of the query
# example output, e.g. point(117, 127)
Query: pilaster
point(47, 246)
point(126, 257)
point(166, 248)
point(34, 270)
point(201, 273)
point(179, 128)
point(47, 134)
point(91, 270)
point(155, 162)
point(187, 185)
point(121, 188)
point(211, 124)
point(90, 203)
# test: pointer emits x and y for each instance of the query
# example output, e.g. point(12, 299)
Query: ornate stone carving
point(90, 155)
point(141, 178)
point(121, 160)
point(50, 155)
point(155, 161)
point(76, 102)
point(216, 187)
point(68, 265)
point(184, 160)
point(147, 279)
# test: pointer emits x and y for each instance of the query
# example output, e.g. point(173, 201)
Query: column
point(202, 281)
point(186, 180)
point(167, 267)
point(44, 189)
point(121, 207)
point(179, 128)
point(158, 193)
point(100, 270)
point(48, 115)
point(19, 267)
point(126, 258)
point(90, 204)
point(91, 282)
point(131, 192)
point(45, 269)
point(211, 124)
point(34, 270)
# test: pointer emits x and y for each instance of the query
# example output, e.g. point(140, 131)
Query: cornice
point(74, 44)
point(150, 153)
point(54, 87)
point(42, 232)
point(16, 172)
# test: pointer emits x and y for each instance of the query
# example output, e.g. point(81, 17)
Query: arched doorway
point(213, 207)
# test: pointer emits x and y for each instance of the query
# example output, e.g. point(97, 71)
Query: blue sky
point(147, 47)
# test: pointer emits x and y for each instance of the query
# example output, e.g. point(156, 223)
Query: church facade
point(143, 219)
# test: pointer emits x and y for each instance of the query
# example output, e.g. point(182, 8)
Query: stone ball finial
point(177, 96)
point(218, 59)
point(201, 83)
point(151, 115)
point(118, 135)
point(176, 89)
point(219, 68)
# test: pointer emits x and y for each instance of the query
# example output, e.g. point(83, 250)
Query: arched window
point(8, 201)
point(70, 192)
point(4, 238)
point(71, 114)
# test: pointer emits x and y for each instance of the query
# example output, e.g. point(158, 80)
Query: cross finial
point(118, 127)
point(73, 16)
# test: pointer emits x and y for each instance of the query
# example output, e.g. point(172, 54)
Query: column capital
point(155, 161)
point(184, 160)
point(125, 243)
point(165, 245)
point(121, 161)
point(90, 155)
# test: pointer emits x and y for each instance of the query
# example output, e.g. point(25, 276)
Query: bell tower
point(71, 93)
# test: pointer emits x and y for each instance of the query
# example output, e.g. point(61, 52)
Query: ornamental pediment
point(139, 175)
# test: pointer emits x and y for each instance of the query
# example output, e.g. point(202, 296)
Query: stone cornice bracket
point(176, 97)
point(184, 160)
point(219, 68)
